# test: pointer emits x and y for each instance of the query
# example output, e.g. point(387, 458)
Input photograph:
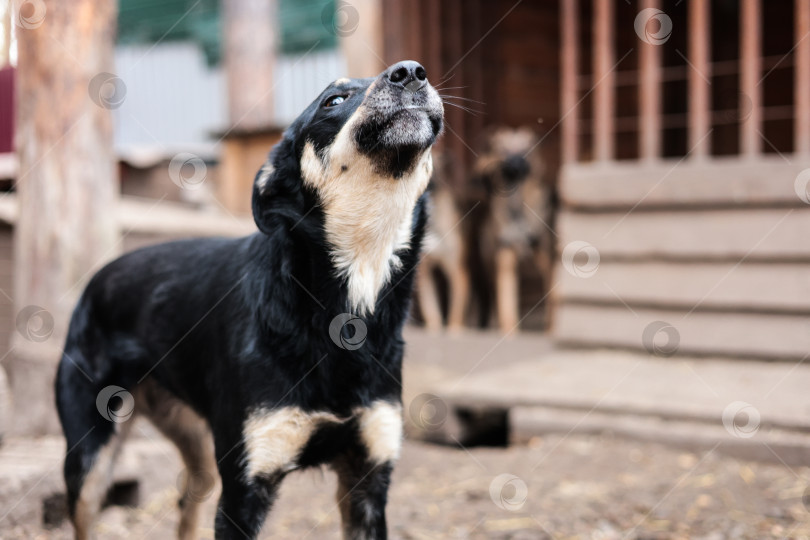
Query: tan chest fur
point(368, 216)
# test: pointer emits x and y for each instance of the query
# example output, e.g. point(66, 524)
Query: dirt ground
point(577, 487)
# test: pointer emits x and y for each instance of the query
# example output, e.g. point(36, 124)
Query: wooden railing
point(699, 68)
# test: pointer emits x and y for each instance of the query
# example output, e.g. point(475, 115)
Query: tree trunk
point(67, 185)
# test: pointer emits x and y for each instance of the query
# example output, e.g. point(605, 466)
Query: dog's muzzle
point(403, 109)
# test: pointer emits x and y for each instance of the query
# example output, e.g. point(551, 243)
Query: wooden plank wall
point(712, 241)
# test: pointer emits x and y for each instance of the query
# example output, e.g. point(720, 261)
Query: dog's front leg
point(362, 495)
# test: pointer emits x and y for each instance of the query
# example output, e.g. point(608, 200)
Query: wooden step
point(741, 335)
point(718, 285)
point(734, 234)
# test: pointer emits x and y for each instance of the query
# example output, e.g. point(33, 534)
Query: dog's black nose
point(407, 74)
point(515, 168)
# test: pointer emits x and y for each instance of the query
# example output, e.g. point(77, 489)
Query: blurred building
point(676, 134)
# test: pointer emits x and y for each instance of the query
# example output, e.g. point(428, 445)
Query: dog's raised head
point(361, 153)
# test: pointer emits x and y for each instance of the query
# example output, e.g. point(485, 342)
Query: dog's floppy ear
point(277, 195)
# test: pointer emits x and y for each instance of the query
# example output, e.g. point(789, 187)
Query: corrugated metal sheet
point(175, 101)
point(301, 77)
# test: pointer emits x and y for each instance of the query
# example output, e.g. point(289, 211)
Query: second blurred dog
point(518, 216)
point(514, 224)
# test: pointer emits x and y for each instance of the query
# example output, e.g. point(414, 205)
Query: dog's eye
point(334, 101)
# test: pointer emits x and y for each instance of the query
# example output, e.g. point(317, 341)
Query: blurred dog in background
point(518, 215)
point(483, 235)
point(445, 249)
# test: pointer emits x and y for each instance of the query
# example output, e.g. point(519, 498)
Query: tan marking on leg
point(381, 430)
point(97, 482)
point(191, 435)
point(428, 297)
point(274, 438)
point(459, 294)
point(506, 281)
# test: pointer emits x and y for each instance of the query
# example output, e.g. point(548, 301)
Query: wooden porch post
point(569, 60)
point(802, 74)
point(699, 79)
point(750, 75)
point(650, 95)
point(250, 58)
point(604, 81)
point(67, 188)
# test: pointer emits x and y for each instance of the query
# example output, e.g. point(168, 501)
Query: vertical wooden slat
point(649, 88)
point(699, 78)
point(569, 60)
point(603, 80)
point(750, 73)
point(433, 40)
point(802, 74)
point(454, 118)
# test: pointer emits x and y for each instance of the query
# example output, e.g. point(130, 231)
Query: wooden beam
point(700, 77)
point(604, 102)
point(750, 75)
point(649, 89)
point(250, 45)
point(569, 60)
point(802, 74)
point(67, 189)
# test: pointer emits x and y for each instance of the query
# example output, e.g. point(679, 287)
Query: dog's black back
point(285, 345)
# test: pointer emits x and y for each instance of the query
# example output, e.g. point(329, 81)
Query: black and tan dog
point(278, 351)
point(518, 215)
